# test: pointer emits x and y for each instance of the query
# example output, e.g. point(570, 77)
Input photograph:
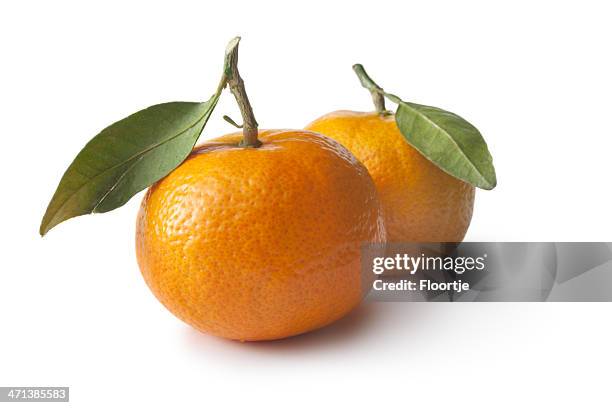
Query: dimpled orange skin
point(421, 202)
point(259, 243)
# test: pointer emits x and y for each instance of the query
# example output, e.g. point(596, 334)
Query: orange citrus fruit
point(260, 243)
point(421, 202)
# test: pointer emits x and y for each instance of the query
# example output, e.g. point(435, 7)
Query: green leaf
point(449, 141)
point(127, 157)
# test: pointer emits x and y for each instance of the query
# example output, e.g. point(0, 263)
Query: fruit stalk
point(236, 85)
point(378, 94)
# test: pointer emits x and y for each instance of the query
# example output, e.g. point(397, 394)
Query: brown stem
point(378, 94)
point(236, 85)
point(379, 102)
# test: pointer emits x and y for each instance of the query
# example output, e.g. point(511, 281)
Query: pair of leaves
point(139, 150)
point(127, 157)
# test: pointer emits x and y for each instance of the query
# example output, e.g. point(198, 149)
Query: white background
point(534, 77)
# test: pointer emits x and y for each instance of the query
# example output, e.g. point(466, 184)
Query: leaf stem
point(378, 94)
point(231, 77)
point(231, 122)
